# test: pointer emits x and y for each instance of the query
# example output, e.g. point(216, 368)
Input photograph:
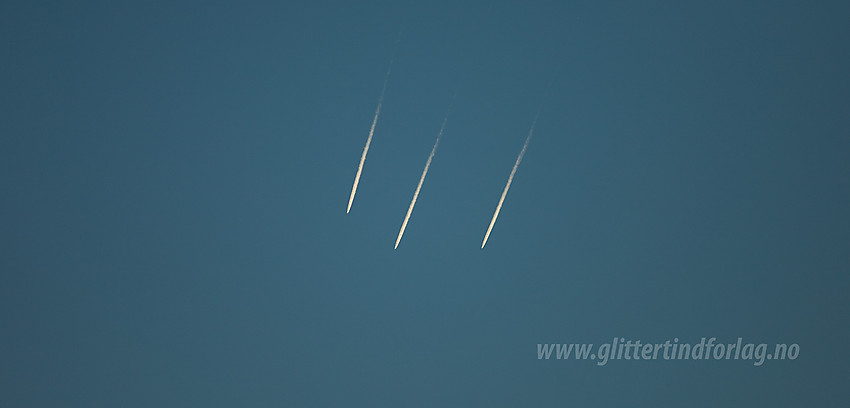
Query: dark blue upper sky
point(174, 181)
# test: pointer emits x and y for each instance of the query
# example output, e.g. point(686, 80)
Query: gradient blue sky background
point(174, 181)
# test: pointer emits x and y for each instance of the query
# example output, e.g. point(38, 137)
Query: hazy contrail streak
point(368, 140)
point(510, 179)
point(421, 180)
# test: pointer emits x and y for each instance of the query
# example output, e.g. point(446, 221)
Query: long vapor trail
point(510, 179)
point(369, 139)
point(421, 180)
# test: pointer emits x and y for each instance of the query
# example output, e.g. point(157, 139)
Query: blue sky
point(175, 179)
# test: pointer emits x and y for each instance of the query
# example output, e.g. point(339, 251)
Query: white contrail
point(368, 141)
point(510, 179)
point(421, 180)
